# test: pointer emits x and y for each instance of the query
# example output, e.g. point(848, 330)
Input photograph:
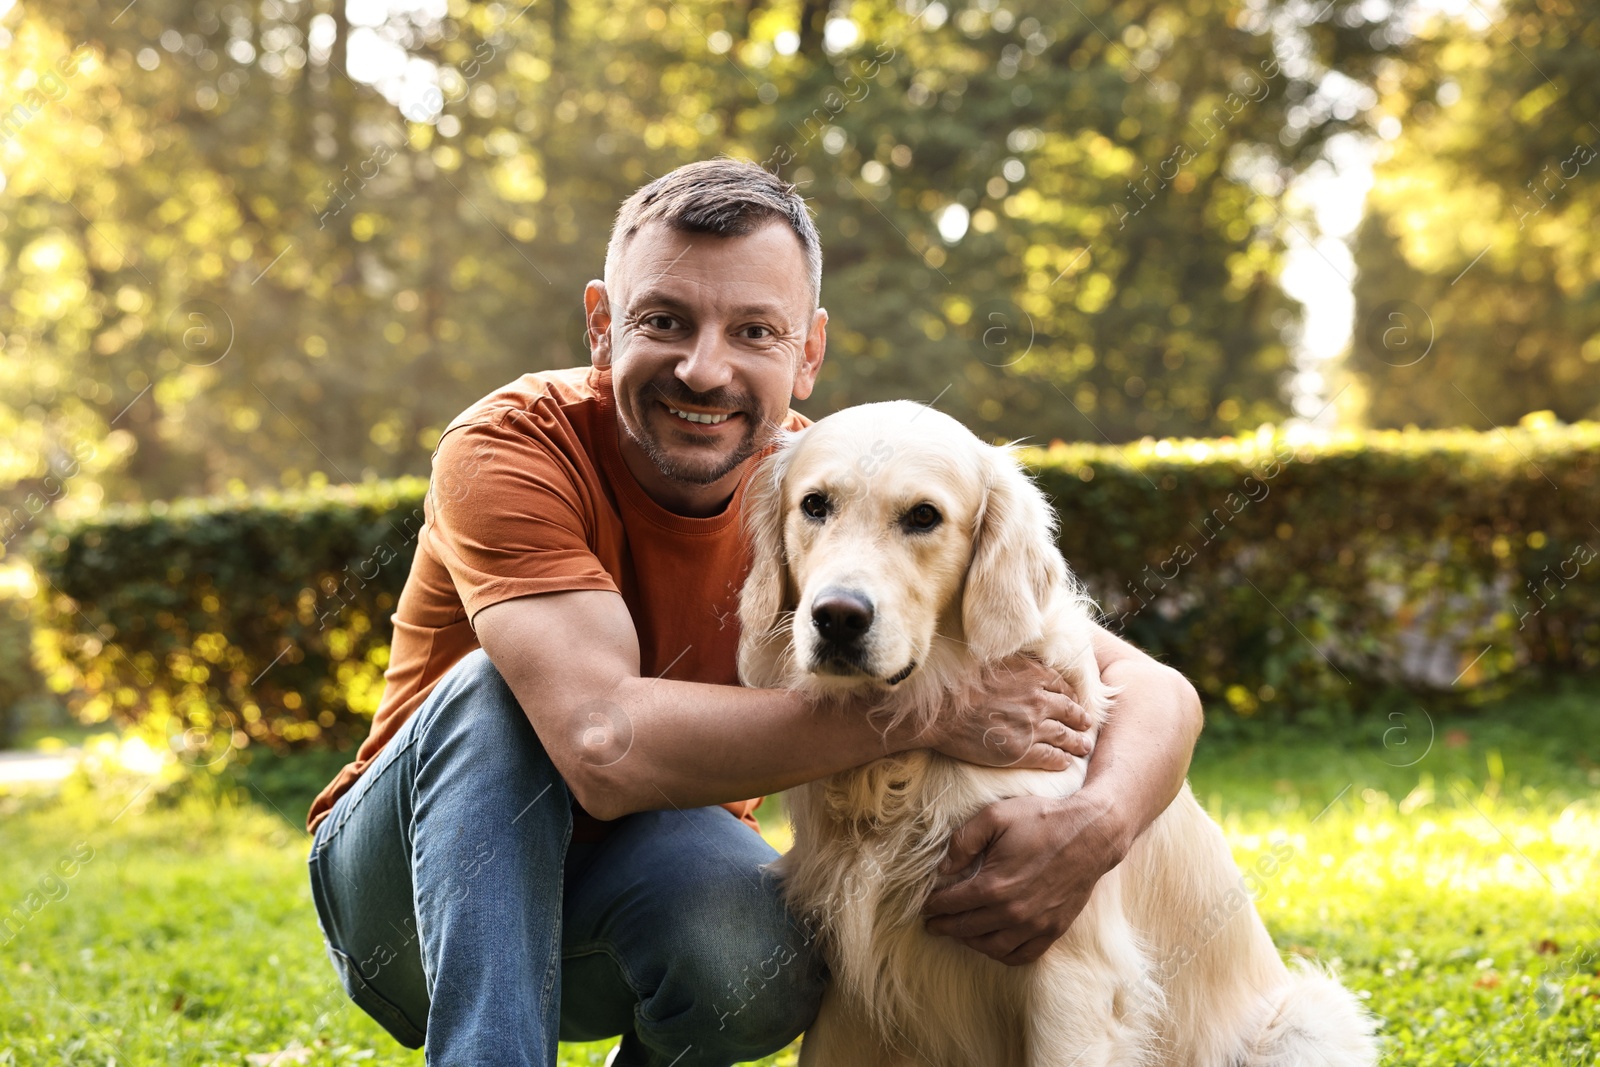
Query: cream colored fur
point(1167, 965)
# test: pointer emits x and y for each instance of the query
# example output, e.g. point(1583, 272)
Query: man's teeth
point(709, 420)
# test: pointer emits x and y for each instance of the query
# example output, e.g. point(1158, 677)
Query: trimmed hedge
point(1285, 576)
point(224, 621)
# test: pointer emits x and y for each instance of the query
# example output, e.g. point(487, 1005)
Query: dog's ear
point(1016, 568)
point(762, 598)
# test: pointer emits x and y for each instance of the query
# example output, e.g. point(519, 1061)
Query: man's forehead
point(762, 270)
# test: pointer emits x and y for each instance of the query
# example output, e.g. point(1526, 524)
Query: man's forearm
point(1143, 751)
point(690, 745)
point(625, 743)
point(703, 744)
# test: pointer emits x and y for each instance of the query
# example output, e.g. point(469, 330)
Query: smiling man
point(543, 838)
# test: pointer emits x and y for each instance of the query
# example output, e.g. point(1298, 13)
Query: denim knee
point(755, 975)
point(472, 683)
point(479, 762)
point(473, 714)
point(755, 1015)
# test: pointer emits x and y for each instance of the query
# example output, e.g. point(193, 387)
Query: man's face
point(707, 337)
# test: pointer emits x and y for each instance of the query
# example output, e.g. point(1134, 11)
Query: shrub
point(223, 621)
point(1281, 574)
point(23, 698)
point(1286, 574)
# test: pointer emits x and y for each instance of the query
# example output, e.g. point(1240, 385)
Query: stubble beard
point(706, 465)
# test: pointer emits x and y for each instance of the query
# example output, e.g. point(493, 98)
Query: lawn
point(1457, 894)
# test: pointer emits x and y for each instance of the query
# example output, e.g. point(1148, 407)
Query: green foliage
point(227, 259)
point(1282, 577)
point(1279, 576)
point(225, 621)
point(158, 951)
point(1482, 220)
point(20, 685)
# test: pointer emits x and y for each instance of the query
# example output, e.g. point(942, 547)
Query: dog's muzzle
point(842, 619)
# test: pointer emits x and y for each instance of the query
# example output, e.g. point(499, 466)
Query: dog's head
point(879, 534)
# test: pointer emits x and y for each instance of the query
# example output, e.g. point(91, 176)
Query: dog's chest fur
point(880, 831)
point(868, 843)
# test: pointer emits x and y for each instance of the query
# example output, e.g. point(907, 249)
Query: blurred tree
point(274, 241)
point(1481, 239)
point(1069, 218)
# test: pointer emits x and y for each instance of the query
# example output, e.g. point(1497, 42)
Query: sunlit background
point(229, 221)
point(1299, 301)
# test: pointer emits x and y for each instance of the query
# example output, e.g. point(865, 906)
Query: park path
point(37, 768)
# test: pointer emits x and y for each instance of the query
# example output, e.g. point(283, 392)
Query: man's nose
point(841, 616)
point(708, 365)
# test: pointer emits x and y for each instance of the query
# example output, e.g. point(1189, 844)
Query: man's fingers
point(1077, 744)
point(989, 931)
point(964, 898)
point(1022, 665)
point(1064, 737)
point(1056, 682)
point(1042, 757)
point(1065, 709)
point(1028, 951)
point(998, 945)
point(968, 843)
point(970, 923)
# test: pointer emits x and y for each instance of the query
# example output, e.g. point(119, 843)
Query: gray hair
point(724, 197)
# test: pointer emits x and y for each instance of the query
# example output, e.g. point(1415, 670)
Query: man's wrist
point(903, 734)
point(862, 723)
point(1108, 820)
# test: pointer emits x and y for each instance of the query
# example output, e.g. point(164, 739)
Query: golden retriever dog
point(896, 553)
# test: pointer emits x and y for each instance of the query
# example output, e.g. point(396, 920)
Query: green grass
point(1457, 895)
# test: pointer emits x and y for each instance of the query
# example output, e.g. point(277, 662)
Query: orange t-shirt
point(530, 495)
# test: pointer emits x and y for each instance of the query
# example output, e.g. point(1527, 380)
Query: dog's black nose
point(841, 617)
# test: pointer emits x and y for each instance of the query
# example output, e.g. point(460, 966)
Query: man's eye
point(660, 322)
point(922, 518)
point(815, 505)
point(757, 333)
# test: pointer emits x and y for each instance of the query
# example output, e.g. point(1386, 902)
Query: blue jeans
point(458, 912)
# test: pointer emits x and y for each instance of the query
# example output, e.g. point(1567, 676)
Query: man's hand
point(1037, 862)
point(1039, 859)
point(1024, 716)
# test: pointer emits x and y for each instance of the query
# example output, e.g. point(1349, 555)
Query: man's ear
point(597, 319)
point(765, 595)
point(805, 375)
point(1016, 568)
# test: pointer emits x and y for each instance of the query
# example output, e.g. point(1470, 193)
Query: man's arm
point(1042, 858)
point(625, 743)
point(1142, 755)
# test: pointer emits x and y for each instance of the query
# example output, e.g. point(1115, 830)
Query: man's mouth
point(701, 418)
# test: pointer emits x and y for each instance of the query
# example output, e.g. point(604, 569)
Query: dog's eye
point(922, 518)
point(815, 505)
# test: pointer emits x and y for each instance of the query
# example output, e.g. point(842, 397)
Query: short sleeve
point(511, 514)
